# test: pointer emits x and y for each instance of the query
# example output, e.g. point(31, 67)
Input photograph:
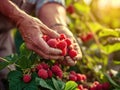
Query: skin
point(31, 30)
point(52, 13)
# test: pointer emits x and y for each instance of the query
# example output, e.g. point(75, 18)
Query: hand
point(68, 33)
point(32, 31)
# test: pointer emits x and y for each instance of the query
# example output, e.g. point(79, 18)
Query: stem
point(4, 59)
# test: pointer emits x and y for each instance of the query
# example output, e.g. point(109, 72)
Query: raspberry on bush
point(26, 78)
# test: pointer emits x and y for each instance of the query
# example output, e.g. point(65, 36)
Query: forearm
point(52, 13)
point(10, 10)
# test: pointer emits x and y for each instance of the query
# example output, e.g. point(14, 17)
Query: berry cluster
point(77, 77)
point(44, 71)
point(86, 38)
point(63, 43)
point(97, 86)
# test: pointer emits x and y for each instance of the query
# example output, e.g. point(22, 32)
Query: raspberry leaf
point(71, 85)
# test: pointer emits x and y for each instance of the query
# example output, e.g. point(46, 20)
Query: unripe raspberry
point(70, 9)
point(45, 37)
point(61, 45)
point(62, 36)
point(52, 43)
point(42, 73)
point(49, 73)
point(57, 71)
point(72, 77)
point(68, 41)
point(39, 66)
point(26, 78)
point(72, 53)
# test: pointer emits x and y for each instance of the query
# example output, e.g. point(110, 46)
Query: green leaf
point(111, 81)
point(84, 9)
point(16, 82)
point(108, 32)
point(111, 48)
point(45, 83)
point(71, 85)
point(25, 51)
point(14, 78)
point(3, 65)
point(58, 84)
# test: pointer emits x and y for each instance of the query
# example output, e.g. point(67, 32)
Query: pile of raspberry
point(63, 43)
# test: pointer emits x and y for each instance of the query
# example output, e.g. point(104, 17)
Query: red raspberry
point(95, 83)
point(26, 78)
point(45, 37)
point(45, 66)
point(72, 77)
point(72, 53)
point(39, 66)
point(68, 41)
point(64, 51)
point(93, 88)
point(80, 87)
point(49, 73)
point(99, 87)
point(89, 36)
point(73, 72)
point(70, 9)
point(84, 38)
point(57, 71)
point(106, 86)
point(61, 44)
point(84, 77)
point(42, 73)
point(79, 77)
point(52, 43)
point(62, 36)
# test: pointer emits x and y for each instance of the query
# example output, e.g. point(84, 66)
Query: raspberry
point(106, 86)
point(57, 71)
point(45, 37)
point(73, 72)
point(79, 77)
point(61, 44)
point(89, 36)
point(80, 87)
point(45, 66)
point(49, 73)
point(64, 51)
point(72, 77)
point(95, 83)
point(52, 43)
point(72, 53)
point(39, 66)
point(26, 78)
point(68, 41)
point(70, 9)
point(84, 77)
point(43, 73)
point(62, 36)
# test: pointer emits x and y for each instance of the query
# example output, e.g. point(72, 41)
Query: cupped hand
point(68, 60)
point(32, 31)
